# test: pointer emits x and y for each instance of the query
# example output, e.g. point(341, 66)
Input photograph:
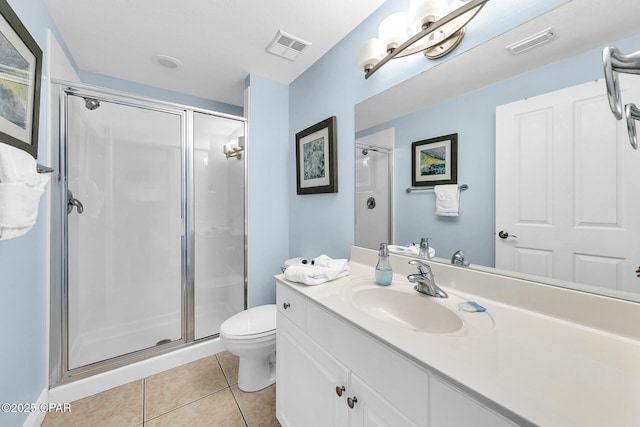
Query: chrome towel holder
point(462, 187)
point(615, 62)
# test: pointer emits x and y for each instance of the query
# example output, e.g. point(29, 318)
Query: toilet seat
point(253, 323)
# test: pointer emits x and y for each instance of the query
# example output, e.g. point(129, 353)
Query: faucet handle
point(458, 259)
point(423, 267)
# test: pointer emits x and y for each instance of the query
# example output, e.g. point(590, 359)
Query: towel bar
point(410, 189)
point(615, 62)
point(43, 169)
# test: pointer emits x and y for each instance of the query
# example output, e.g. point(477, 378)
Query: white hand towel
point(447, 199)
point(17, 166)
point(20, 190)
point(323, 269)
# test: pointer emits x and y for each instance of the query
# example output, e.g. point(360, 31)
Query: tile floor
point(201, 393)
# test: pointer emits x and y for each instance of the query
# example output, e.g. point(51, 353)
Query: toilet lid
point(251, 322)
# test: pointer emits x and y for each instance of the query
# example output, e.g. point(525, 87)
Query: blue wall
point(472, 116)
point(333, 85)
point(23, 306)
point(268, 109)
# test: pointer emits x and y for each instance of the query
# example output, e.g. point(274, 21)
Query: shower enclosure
point(149, 255)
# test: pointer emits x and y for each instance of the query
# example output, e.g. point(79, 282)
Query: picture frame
point(435, 161)
point(20, 81)
point(317, 158)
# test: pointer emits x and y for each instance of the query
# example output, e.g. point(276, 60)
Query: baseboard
point(36, 418)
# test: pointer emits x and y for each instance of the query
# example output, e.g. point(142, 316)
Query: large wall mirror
point(468, 94)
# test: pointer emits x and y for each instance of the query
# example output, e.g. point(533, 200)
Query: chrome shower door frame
point(59, 372)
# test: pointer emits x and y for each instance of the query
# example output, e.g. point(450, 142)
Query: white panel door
point(567, 184)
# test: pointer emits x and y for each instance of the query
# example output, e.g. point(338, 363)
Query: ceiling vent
point(287, 46)
point(532, 41)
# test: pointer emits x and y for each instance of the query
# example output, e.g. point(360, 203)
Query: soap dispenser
point(424, 249)
point(384, 273)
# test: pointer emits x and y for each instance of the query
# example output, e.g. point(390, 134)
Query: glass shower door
point(124, 169)
point(219, 217)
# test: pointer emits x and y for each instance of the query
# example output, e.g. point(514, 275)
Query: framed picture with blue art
point(20, 73)
point(435, 161)
point(316, 158)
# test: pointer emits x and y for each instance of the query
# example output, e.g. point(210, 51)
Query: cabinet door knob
point(340, 390)
point(286, 305)
point(351, 401)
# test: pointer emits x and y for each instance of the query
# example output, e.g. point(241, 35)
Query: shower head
point(365, 151)
point(91, 103)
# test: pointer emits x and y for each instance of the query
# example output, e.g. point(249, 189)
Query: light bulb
point(369, 55)
point(392, 31)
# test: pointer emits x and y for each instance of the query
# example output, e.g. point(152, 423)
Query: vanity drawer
point(291, 304)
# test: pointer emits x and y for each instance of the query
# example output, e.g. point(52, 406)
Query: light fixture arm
point(408, 48)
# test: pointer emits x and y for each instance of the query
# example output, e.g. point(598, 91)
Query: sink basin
point(410, 310)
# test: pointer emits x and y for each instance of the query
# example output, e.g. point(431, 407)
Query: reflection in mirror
point(590, 198)
point(374, 190)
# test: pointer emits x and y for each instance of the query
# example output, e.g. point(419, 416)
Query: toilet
point(251, 335)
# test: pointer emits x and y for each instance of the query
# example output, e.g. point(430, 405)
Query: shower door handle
point(72, 201)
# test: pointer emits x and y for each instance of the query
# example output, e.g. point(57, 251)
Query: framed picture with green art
point(20, 73)
point(435, 161)
point(316, 158)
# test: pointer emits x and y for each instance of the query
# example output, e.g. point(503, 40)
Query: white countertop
point(545, 369)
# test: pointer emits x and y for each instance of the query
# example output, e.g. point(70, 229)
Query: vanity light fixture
point(435, 33)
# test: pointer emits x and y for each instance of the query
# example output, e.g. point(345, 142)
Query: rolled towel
point(447, 199)
point(323, 269)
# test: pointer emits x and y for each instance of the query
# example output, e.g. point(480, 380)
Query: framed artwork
point(435, 161)
point(20, 74)
point(316, 158)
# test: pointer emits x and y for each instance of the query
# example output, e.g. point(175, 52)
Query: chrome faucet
point(425, 282)
point(458, 259)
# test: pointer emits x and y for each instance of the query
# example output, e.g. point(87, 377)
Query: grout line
point(239, 408)
point(224, 374)
point(231, 390)
point(193, 401)
point(144, 400)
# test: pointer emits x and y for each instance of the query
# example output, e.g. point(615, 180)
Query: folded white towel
point(447, 199)
point(413, 250)
point(20, 190)
point(17, 166)
point(323, 269)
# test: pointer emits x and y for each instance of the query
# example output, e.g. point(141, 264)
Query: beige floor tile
point(216, 410)
point(176, 387)
point(258, 408)
point(118, 407)
point(229, 363)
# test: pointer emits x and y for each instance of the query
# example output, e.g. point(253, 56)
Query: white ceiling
point(219, 42)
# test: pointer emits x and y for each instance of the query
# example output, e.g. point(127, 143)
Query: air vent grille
point(287, 46)
point(532, 41)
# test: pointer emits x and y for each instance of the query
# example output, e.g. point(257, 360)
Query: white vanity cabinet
point(331, 373)
point(315, 389)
